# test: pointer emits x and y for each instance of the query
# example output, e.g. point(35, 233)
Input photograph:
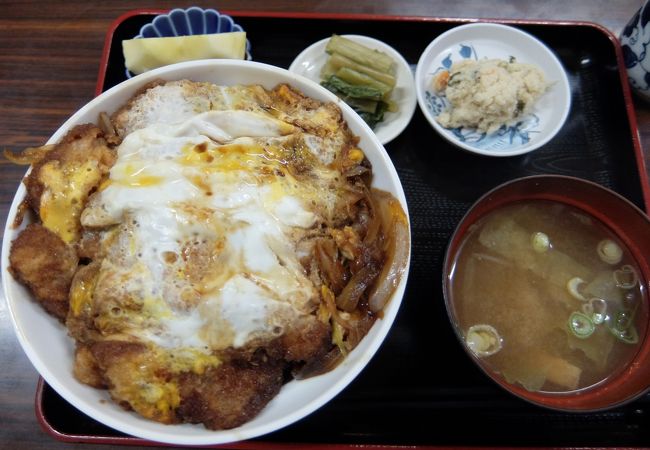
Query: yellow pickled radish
point(141, 55)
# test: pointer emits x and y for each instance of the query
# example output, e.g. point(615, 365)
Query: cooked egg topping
point(207, 214)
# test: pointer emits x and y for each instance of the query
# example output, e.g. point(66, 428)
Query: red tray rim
point(241, 445)
point(253, 445)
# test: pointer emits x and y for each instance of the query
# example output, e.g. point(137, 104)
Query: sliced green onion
point(609, 251)
point(599, 307)
point(483, 340)
point(629, 335)
point(629, 300)
point(626, 277)
point(574, 286)
point(580, 325)
point(540, 241)
point(622, 320)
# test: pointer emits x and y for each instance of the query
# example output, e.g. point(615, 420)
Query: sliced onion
point(349, 297)
point(358, 328)
point(372, 230)
point(330, 267)
point(28, 156)
point(106, 125)
point(23, 209)
point(319, 366)
point(356, 171)
point(397, 247)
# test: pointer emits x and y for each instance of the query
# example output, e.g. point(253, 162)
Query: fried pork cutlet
point(192, 295)
point(307, 339)
point(225, 395)
point(86, 368)
point(175, 101)
point(229, 395)
point(62, 179)
point(45, 264)
point(80, 320)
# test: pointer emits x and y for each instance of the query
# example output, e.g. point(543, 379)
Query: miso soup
point(548, 297)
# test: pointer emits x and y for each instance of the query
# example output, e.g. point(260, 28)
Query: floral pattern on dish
point(507, 136)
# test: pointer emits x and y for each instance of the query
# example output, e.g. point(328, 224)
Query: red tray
point(405, 396)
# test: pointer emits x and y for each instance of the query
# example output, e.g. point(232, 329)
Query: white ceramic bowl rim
point(560, 105)
point(48, 347)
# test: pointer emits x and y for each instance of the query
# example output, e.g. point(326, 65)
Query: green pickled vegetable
point(337, 61)
point(362, 77)
point(361, 54)
point(338, 85)
point(359, 79)
point(365, 100)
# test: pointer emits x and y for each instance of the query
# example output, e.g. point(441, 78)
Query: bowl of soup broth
point(546, 286)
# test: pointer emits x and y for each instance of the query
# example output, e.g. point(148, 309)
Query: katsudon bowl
point(50, 349)
point(546, 287)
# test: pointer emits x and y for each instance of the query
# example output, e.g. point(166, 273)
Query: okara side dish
point(489, 93)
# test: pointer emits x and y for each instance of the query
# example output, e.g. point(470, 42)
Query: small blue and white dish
point(190, 22)
point(635, 39)
point(494, 41)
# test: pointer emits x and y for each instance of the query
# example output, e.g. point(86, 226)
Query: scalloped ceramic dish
point(189, 22)
point(310, 61)
point(50, 349)
point(488, 40)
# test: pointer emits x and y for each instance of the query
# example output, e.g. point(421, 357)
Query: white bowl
point(312, 59)
point(490, 40)
point(50, 349)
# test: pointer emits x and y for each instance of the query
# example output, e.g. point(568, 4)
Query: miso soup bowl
point(627, 222)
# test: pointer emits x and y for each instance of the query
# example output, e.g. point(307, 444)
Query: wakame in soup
point(548, 297)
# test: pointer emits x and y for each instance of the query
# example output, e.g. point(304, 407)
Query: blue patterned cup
point(634, 40)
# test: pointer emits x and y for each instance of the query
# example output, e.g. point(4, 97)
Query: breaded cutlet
point(45, 264)
point(60, 182)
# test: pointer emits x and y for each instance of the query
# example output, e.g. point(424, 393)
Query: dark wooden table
point(49, 61)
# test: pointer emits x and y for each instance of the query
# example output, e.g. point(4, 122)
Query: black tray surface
point(421, 388)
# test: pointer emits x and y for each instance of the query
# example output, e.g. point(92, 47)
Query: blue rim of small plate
point(189, 22)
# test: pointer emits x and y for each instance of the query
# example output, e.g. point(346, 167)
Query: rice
point(489, 93)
